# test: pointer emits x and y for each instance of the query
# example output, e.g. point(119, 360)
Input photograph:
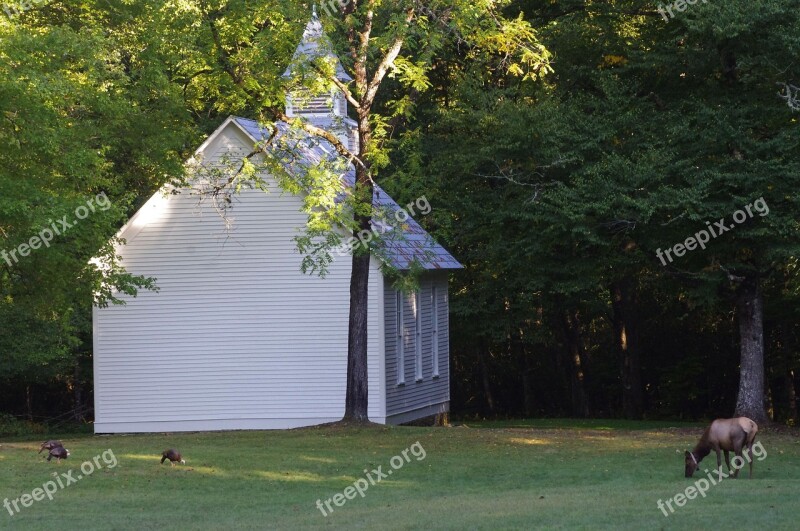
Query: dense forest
point(619, 179)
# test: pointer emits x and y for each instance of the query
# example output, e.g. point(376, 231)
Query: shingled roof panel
point(413, 245)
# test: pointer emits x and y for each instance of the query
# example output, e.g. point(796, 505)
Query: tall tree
point(376, 42)
point(83, 135)
point(648, 129)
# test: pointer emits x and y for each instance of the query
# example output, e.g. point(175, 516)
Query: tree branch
point(341, 86)
point(277, 114)
point(318, 132)
point(223, 58)
point(386, 63)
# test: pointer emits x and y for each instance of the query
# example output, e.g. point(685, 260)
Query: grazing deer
point(729, 435)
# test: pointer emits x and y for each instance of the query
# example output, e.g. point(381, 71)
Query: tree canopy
point(565, 147)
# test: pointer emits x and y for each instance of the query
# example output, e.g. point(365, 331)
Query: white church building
point(237, 337)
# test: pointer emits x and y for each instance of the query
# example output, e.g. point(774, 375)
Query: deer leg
point(719, 464)
point(748, 454)
point(737, 448)
point(728, 461)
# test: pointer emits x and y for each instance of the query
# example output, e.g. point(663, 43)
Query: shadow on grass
point(579, 424)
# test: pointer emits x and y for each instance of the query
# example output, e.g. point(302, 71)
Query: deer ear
point(686, 453)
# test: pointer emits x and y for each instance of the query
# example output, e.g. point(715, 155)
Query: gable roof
point(413, 244)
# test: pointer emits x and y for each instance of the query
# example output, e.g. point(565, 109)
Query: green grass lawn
point(499, 475)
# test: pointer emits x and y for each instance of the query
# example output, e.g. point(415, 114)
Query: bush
point(11, 426)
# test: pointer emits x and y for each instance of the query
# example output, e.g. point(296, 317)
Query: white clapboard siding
point(237, 337)
point(415, 399)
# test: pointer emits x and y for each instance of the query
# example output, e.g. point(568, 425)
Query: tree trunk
point(357, 398)
point(791, 396)
point(576, 354)
point(750, 312)
point(487, 388)
point(28, 403)
point(787, 350)
point(527, 383)
point(559, 396)
point(357, 395)
point(627, 338)
point(519, 353)
point(77, 392)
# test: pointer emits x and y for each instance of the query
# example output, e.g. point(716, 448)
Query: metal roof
point(412, 245)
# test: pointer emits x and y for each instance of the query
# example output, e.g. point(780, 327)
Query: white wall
point(237, 337)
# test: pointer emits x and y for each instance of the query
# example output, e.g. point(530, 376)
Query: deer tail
point(751, 433)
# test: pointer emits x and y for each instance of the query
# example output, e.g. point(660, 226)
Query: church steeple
point(328, 110)
point(314, 45)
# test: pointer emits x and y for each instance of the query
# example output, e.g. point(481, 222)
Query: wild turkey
point(173, 455)
point(49, 445)
point(59, 452)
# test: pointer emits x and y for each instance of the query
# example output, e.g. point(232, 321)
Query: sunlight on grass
point(489, 478)
point(663, 434)
point(520, 440)
point(621, 442)
point(140, 457)
point(318, 459)
point(291, 476)
point(637, 445)
point(598, 438)
point(397, 484)
point(203, 470)
point(189, 467)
